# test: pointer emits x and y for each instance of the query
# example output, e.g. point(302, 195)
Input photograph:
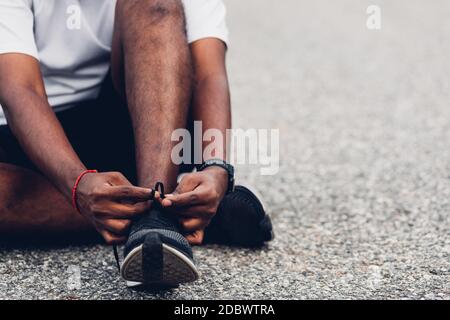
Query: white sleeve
point(206, 19)
point(16, 27)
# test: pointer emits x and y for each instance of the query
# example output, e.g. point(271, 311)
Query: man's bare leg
point(150, 43)
point(150, 39)
point(31, 204)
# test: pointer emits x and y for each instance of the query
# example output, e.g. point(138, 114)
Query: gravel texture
point(360, 204)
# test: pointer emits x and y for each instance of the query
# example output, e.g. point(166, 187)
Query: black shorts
point(100, 131)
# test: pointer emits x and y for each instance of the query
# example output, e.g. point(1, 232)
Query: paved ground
point(361, 202)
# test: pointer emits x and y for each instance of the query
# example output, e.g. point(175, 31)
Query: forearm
point(211, 105)
point(41, 136)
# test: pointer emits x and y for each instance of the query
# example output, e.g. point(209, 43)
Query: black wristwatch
point(220, 163)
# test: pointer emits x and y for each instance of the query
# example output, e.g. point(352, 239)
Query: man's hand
point(109, 201)
point(196, 200)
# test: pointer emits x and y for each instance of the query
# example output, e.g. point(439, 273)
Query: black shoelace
point(159, 187)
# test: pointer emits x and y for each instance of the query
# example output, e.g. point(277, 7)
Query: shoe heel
point(152, 258)
point(155, 262)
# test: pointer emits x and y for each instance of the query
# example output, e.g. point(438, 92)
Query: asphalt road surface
point(361, 202)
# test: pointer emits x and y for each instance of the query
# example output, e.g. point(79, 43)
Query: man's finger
point(184, 199)
point(126, 211)
point(132, 193)
point(196, 238)
point(119, 227)
point(112, 239)
point(157, 195)
point(193, 224)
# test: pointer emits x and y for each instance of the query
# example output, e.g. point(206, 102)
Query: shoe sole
point(176, 269)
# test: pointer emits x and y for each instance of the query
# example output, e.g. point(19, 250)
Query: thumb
point(166, 201)
point(184, 199)
point(170, 198)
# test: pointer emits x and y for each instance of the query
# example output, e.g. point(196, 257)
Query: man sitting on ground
point(102, 85)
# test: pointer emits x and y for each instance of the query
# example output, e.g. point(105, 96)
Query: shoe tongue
point(156, 218)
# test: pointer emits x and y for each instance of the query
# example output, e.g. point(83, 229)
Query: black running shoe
point(240, 221)
point(156, 253)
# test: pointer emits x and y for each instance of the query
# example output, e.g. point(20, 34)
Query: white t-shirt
point(72, 40)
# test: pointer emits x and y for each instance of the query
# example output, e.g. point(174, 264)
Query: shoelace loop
point(159, 186)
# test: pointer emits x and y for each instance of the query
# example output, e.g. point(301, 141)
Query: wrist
point(70, 177)
point(76, 185)
point(220, 175)
point(219, 171)
point(223, 166)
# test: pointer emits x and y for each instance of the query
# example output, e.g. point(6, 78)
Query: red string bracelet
point(75, 186)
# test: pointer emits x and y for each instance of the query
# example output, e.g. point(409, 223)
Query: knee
point(162, 9)
point(154, 11)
